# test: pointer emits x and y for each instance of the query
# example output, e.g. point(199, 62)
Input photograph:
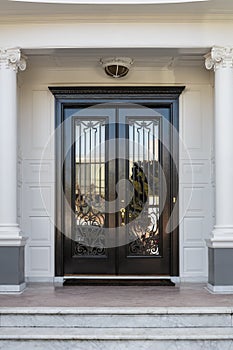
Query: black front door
point(119, 187)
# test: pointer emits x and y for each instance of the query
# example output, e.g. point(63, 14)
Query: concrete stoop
point(116, 328)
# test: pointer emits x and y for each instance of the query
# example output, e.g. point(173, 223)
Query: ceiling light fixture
point(116, 67)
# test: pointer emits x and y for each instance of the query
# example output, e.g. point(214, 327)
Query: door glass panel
point(90, 217)
point(143, 172)
point(92, 190)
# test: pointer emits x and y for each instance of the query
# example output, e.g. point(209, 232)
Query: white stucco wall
point(36, 123)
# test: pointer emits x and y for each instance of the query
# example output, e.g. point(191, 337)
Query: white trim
point(194, 279)
point(34, 279)
point(13, 242)
point(175, 279)
point(219, 289)
point(221, 243)
point(58, 280)
point(130, 277)
point(12, 288)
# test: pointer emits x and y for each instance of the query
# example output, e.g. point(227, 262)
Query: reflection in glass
point(90, 187)
point(143, 210)
point(95, 186)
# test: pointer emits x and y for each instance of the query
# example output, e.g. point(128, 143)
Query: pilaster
point(220, 243)
point(11, 241)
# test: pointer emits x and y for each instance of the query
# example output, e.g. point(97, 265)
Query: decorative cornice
point(219, 57)
point(12, 59)
point(122, 92)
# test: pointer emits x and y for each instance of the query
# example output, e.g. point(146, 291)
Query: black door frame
point(86, 96)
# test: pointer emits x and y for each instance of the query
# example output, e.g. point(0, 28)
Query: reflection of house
point(140, 186)
point(62, 46)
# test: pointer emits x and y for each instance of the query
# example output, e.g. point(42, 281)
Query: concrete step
point(27, 333)
point(136, 317)
point(15, 338)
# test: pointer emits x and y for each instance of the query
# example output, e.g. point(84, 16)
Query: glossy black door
point(147, 165)
point(89, 183)
point(119, 183)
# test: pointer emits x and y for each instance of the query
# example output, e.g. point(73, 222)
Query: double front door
point(118, 189)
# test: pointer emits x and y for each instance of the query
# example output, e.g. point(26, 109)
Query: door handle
point(122, 211)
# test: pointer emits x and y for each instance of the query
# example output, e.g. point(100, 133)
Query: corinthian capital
point(12, 59)
point(219, 57)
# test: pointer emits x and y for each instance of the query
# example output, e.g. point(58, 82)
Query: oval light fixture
point(116, 67)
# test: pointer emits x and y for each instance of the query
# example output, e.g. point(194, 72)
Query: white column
point(10, 61)
point(221, 59)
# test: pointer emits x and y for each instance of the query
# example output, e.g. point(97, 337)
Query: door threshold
point(116, 277)
point(118, 281)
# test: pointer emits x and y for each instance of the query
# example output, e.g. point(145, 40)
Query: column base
point(219, 289)
point(221, 237)
point(9, 288)
point(220, 277)
point(12, 277)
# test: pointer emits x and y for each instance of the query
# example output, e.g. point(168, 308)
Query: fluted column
point(221, 240)
point(10, 239)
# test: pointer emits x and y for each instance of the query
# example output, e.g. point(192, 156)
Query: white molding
point(34, 279)
point(221, 237)
point(223, 242)
point(194, 279)
point(58, 280)
point(6, 241)
point(219, 289)
point(11, 288)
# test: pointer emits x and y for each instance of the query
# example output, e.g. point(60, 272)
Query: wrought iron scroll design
point(143, 211)
point(89, 238)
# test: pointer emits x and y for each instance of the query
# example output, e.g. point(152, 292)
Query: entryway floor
point(49, 295)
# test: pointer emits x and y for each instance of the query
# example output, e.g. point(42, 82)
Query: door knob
point(122, 211)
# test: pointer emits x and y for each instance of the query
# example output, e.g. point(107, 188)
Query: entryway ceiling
point(143, 58)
